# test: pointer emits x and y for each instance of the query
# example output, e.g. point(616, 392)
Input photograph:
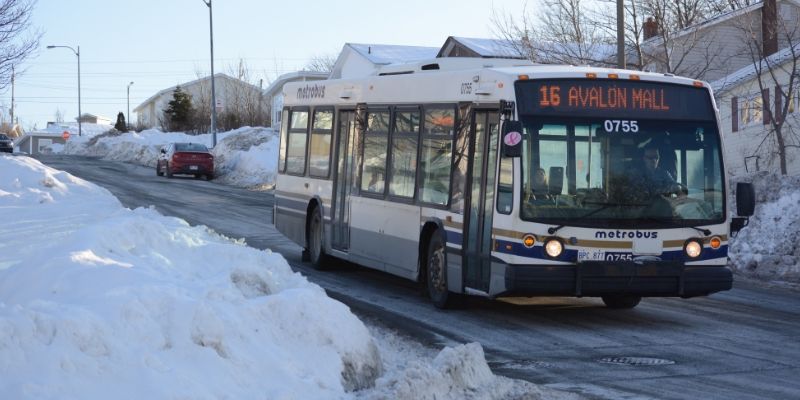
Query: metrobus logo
point(625, 235)
point(311, 92)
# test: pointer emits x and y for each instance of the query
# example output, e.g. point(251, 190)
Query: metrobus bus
point(498, 178)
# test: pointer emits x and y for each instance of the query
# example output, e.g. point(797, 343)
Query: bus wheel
point(621, 302)
point(436, 268)
point(316, 253)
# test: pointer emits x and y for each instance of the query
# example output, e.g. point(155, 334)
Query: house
point(481, 48)
point(231, 95)
point(39, 141)
point(274, 93)
point(746, 110)
point(356, 60)
point(718, 47)
point(87, 118)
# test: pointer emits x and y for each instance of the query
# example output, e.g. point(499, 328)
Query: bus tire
point(315, 247)
point(621, 302)
point(436, 270)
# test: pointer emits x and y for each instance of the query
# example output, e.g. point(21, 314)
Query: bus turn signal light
point(529, 241)
point(715, 242)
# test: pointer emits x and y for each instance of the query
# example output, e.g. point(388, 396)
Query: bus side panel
point(290, 208)
point(387, 233)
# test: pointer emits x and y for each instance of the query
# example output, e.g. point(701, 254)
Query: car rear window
point(191, 147)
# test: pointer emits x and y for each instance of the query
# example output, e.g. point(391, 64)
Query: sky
point(158, 44)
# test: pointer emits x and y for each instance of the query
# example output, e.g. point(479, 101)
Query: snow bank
point(769, 247)
point(245, 157)
point(98, 301)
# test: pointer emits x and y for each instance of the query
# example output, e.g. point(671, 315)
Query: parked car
point(6, 144)
point(185, 158)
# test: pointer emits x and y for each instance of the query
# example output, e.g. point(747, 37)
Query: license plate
point(193, 167)
point(591, 255)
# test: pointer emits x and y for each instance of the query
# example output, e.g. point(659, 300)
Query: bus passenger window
point(320, 146)
point(505, 186)
point(376, 141)
point(284, 138)
point(296, 152)
point(437, 155)
point(405, 135)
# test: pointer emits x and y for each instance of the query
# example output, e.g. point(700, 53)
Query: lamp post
point(128, 116)
point(213, 91)
point(77, 53)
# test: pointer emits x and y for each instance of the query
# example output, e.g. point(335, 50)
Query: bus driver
point(649, 180)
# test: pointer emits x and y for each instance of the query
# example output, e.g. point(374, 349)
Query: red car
point(185, 158)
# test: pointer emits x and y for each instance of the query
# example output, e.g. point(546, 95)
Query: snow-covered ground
point(98, 301)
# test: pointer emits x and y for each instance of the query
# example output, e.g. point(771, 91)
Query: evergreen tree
point(179, 111)
point(121, 125)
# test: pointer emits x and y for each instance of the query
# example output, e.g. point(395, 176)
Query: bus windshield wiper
point(603, 206)
point(704, 231)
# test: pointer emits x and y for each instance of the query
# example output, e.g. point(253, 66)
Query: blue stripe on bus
point(571, 255)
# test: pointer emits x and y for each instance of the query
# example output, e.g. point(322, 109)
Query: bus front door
point(477, 249)
point(343, 181)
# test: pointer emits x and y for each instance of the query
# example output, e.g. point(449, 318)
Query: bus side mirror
point(512, 138)
point(745, 199)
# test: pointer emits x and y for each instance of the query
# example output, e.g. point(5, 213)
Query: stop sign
point(65, 135)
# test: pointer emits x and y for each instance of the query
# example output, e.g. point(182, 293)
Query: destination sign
point(612, 97)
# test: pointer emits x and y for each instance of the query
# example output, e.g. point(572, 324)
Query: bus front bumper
point(653, 279)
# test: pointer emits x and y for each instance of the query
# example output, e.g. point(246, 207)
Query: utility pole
point(12, 96)
point(213, 91)
point(621, 63)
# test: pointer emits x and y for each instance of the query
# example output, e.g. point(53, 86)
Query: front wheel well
point(424, 240)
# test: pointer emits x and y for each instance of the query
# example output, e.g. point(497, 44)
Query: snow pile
point(246, 157)
point(769, 247)
point(98, 301)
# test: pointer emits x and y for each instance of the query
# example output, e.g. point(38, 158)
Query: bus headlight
point(553, 247)
point(693, 248)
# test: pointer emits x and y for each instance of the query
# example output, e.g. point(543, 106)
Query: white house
point(274, 93)
point(230, 92)
point(746, 112)
point(356, 60)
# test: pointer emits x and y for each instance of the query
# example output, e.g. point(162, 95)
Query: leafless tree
point(58, 117)
point(562, 33)
point(18, 40)
point(244, 102)
point(777, 74)
point(321, 63)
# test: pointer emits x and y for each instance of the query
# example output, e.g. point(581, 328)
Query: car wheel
point(209, 177)
point(621, 302)
point(158, 170)
point(167, 171)
point(315, 247)
point(436, 270)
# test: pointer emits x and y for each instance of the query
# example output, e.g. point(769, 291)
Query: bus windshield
point(621, 173)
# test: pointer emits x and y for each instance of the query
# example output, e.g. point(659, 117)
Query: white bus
point(495, 178)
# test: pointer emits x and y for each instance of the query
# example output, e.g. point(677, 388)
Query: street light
point(213, 91)
point(77, 53)
point(128, 117)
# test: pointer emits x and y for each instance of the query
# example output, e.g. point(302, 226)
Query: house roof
point(277, 84)
point(714, 21)
point(172, 88)
point(745, 74)
point(383, 54)
point(486, 48)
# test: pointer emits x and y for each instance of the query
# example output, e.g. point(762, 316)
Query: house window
point(751, 109)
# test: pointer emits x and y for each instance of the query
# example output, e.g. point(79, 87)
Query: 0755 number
point(617, 125)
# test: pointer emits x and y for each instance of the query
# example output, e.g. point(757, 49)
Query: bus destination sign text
point(622, 98)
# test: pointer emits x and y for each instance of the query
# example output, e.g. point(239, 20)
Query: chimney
point(769, 28)
point(650, 28)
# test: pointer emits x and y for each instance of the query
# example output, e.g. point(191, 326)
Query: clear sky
point(158, 44)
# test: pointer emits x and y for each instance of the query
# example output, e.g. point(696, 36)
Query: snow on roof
point(488, 48)
point(383, 54)
point(726, 83)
